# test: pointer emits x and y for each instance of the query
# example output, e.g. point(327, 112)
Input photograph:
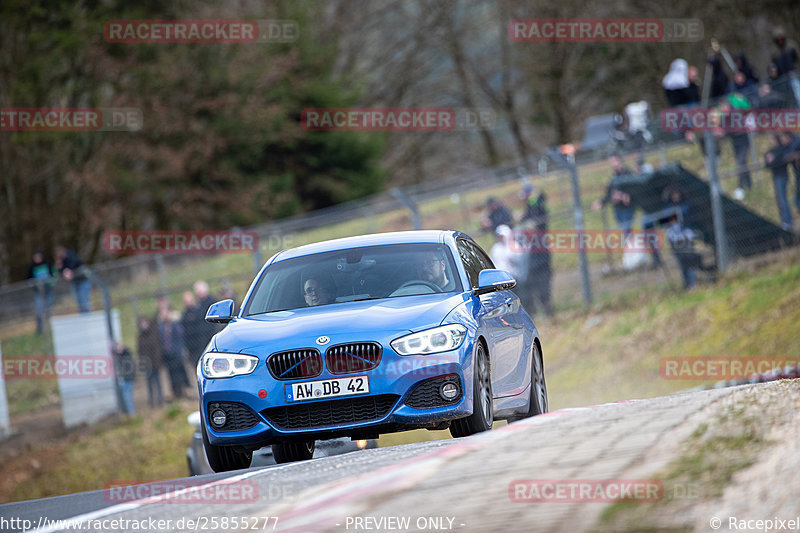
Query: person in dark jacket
point(71, 269)
point(126, 376)
point(194, 323)
point(743, 85)
point(777, 160)
point(172, 344)
point(744, 65)
point(204, 301)
point(149, 349)
point(785, 53)
point(624, 210)
point(719, 80)
point(43, 275)
point(677, 85)
point(538, 282)
point(498, 214)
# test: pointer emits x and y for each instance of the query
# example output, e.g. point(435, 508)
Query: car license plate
point(326, 388)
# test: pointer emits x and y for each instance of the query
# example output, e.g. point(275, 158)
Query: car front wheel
point(224, 458)
point(482, 403)
point(537, 403)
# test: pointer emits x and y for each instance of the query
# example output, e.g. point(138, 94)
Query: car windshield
point(355, 274)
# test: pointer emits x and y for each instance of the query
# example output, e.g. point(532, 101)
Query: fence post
point(407, 202)
point(720, 235)
point(110, 327)
point(5, 424)
point(577, 211)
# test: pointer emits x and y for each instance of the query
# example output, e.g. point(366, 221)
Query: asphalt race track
point(454, 485)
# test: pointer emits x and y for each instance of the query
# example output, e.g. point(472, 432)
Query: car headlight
point(227, 365)
point(435, 340)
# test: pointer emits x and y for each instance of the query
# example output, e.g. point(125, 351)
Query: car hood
point(340, 322)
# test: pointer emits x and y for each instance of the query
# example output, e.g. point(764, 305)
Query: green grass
point(151, 446)
point(746, 315)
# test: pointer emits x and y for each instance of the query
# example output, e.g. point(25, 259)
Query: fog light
point(448, 391)
point(218, 418)
point(361, 443)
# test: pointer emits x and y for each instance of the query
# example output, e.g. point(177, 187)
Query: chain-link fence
point(661, 186)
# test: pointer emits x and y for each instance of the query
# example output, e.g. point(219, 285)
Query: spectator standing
point(740, 142)
point(150, 355)
point(43, 275)
point(537, 285)
point(535, 205)
point(126, 376)
point(676, 84)
point(71, 269)
point(506, 257)
point(719, 80)
point(693, 92)
point(777, 160)
point(681, 241)
point(497, 215)
point(204, 301)
point(784, 54)
point(172, 344)
point(743, 65)
point(792, 143)
point(624, 210)
point(743, 85)
point(194, 323)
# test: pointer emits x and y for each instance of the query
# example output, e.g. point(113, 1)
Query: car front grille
point(425, 395)
point(238, 416)
point(354, 357)
point(331, 412)
point(294, 364)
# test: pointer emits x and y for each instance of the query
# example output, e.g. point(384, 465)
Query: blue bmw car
point(366, 335)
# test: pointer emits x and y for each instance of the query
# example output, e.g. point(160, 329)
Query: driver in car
point(431, 268)
point(319, 290)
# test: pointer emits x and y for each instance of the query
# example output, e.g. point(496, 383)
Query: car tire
point(289, 452)
point(482, 403)
point(537, 402)
point(224, 458)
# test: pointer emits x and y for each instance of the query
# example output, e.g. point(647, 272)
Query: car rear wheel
point(537, 403)
point(289, 452)
point(482, 404)
point(224, 458)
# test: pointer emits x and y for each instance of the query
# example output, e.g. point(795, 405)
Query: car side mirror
point(220, 312)
point(492, 280)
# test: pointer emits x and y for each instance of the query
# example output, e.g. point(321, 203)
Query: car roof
point(394, 237)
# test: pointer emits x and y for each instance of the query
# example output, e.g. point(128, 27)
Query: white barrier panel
point(85, 366)
point(5, 424)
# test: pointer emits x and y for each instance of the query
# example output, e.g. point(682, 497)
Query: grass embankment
point(746, 314)
point(147, 447)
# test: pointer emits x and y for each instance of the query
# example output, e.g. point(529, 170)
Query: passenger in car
point(319, 290)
